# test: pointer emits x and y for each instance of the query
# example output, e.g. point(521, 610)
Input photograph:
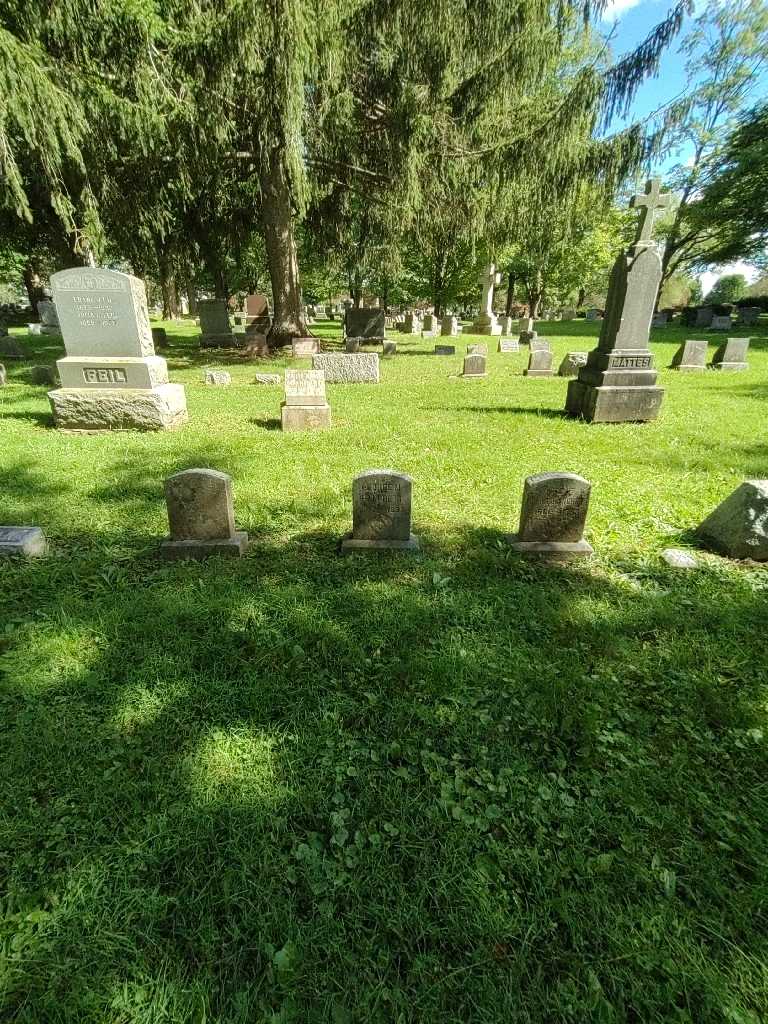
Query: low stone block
point(43, 375)
point(679, 559)
point(23, 541)
point(509, 345)
point(112, 372)
point(721, 323)
point(381, 513)
point(738, 527)
point(295, 418)
point(613, 404)
point(445, 350)
point(268, 378)
point(474, 366)
point(219, 378)
point(348, 367)
point(572, 363)
point(162, 408)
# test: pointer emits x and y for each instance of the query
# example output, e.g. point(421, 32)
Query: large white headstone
point(102, 313)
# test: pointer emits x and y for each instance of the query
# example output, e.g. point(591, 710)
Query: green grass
point(442, 789)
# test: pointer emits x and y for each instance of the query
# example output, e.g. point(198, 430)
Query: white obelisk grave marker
point(111, 378)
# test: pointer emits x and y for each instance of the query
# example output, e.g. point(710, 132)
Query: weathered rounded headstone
point(381, 512)
point(221, 378)
point(474, 367)
point(738, 527)
point(44, 375)
point(731, 355)
point(539, 363)
point(11, 348)
point(572, 363)
point(449, 326)
point(201, 516)
point(690, 357)
point(553, 515)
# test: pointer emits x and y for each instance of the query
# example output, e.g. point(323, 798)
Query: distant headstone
point(268, 378)
point(731, 355)
point(568, 313)
point(477, 349)
point(411, 324)
point(738, 527)
point(538, 344)
point(257, 313)
point(449, 326)
point(201, 516)
point(46, 310)
point(43, 375)
point(305, 406)
point(381, 513)
point(506, 325)
point(593, 314)
point(445, 350)
point(553, 515)
point(474, 366)
point(691, 356)
point(509, 345)
point(3, 328)
point(3, 376)
point(748, 316)
point(704, 316)
point(618, 383)
point(11, 348)
point(159, 337)
point(429, 323)
point(721, 323)
point(303, 347)
point(348, 368)
point(221, 378)
point(111, 378)
point(364, 325)
point(659, 320)
point(351, 344)
point(390, 348)
point(24, 541)
point(572, 363)
point(539, 363)
point(215, 328)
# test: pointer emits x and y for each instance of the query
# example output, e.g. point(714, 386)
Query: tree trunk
point(535, 289)
point(510, 294)
point(192, 299)
point(33, 285)
point(168, 288)
point(438, 283)
point(280, 242)
point(580, 300)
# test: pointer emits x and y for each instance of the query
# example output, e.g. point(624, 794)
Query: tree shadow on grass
point(266, 422)
point(552, 414)
point(287, 783)
point(42, 419)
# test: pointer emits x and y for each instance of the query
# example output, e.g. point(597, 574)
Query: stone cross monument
point(618, 382)
point(487, 322)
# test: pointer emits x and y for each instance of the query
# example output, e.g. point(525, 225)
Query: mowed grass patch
point(451, 787)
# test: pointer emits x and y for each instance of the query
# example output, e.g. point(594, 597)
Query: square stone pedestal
point(305, 417)
point(612, 403)
point(486, 325)
point(234, 546)
point(92, 408)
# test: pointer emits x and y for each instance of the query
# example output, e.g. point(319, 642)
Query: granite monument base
point(305, 417)
point(350, 543)
point(613, 403)
point(557, 550)
point(485, 325)
point(234, 546)
point(92, 409)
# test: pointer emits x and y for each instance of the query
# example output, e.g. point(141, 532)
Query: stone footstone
point(24, 541)
point(690, 357)
point(381, 513)
point(732, 355)
point(221, 378)
point(679, 559)
point(348, 367)
point(304, 347)
point(201, 516)
point(738, 527)
point(572, 363)
point(552, 517)
point(86, 409)
point(445, 350)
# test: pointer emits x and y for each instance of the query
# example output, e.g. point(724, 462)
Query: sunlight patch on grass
point(50, 656)
point(234, 765)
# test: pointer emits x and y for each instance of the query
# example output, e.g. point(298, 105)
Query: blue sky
point(630, 21)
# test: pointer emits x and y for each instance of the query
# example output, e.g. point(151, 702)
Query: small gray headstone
point(351, 344)
point(390, 348)
point(691, 356)
point(44, 375)
point(748, 315)
point(553, 515)
point(721, 323)
point(572, 363)
point(215, 328)
point(509, 345)
point(348, 368)
point(449, 326)
point(219, 377)
point(201, 516)
point(445, 350)
point(381, 512)
point(27, 541)
point(731, 355)
point(540, 363)
point(704, 316)
point(304, 347)
point(365, 324)
point(477, 349)
point(160, 337)
point(11, 348)
point(474, 366)
point(679, 559)
point(738, 527)
point(593, 314)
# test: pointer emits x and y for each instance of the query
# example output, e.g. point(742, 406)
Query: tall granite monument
point(618, 383)
point(111, 378)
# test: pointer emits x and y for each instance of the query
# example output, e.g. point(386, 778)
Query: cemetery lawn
point(445, 788)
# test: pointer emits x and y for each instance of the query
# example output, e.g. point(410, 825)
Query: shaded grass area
point(456, 787)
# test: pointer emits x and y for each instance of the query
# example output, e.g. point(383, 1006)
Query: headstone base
point(689, 368)
point(225, 340)
point(349, 543)
point(613, 404)
point(27, 541)
point(539, 373)
point(553, 549)
point(723, 366)
point(176, 550)
point(305, 417)
point(92, 409)
point(474, 376)
point(483, 325)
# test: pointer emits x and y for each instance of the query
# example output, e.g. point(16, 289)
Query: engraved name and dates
point(95, 311)
point(382, 497)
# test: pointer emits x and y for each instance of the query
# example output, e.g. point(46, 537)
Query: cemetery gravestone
point(569, 313)
point(305, 406)
point(49, 319)
point(201, 516)
point(731, 355)
point(111, 378)
point(445, 350)
point(704, 316)
point(572, 363)
point(486, 321)
point(478, 349)
point(352, 345)
point(10, 348)
point(721, 323)
point(539, 363)
point(738, 527)
point(553, 515)
point(268, 378)
point(509, 345)
point(381, 513)
point(474, 366)
point(748, 316)
point(429, 324)
point(390, 348)
point(302, 347)
point(449, 326)
point(691, 356)
point(26, 541)
point(412, 324)
point(216, 331)
point(366, 326)
point(348, 368)
point(44, 375)
point(592, 315)
point(159, 337)
point(219, 377)
point(506, 324)
point(538, 344)
point(618, 383)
